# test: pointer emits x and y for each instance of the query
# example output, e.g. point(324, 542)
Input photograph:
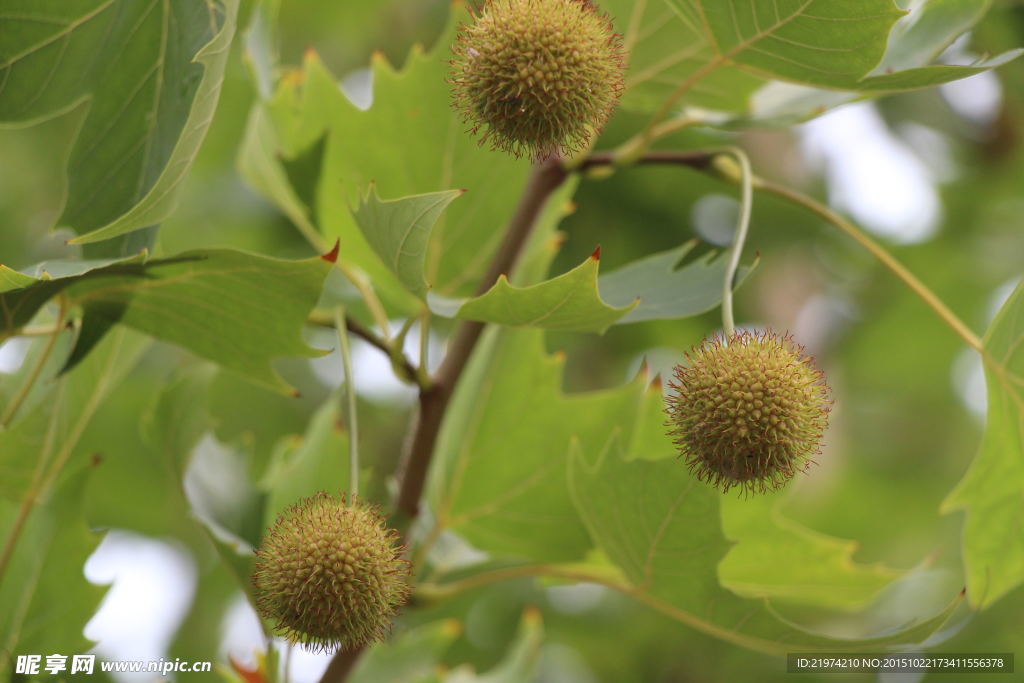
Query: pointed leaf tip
point(597, 253)
point(310, 53)
point(246, 674)
point(332, 255)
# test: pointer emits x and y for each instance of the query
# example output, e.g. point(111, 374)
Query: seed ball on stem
point(537, 76)
point(748, 411)
point(329, 574)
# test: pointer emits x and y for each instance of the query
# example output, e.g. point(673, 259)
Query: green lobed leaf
point(749, 63)
point(45, 600)
point(665, 49)
point(233, 400)
point(829, 43)
point(150, 74)
point(569, 302)
point(237, 309)
point(260, 163)
point(664, 532)
point(666, 291)
point(651, 288)
point(411, 142)
point(927, 30)
point(21, 295)
point(918, 39)
point(777, 558)
point(504, 489)
point(992, 491)
point(399, 230)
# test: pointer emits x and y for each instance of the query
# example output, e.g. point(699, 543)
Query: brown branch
point(697, 159)
point(402, 360)
point(341, 665)
point(545, 178)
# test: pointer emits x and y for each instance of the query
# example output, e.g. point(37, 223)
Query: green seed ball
point(329, 574)
point(537, 77)
point(748, 411)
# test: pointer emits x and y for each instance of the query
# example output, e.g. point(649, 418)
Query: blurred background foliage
point(908, 415)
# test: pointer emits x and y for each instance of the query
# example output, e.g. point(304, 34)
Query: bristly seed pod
point(748, 411)
point(330, 574)
point(538, 76)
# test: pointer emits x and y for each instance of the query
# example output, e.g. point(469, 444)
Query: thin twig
point(698, 159)
point(350, 403)
point(883, 255)
point(703, 160)
point(369, 296)
point(738, 240)
point(657, 127)
point(436, 592)
point(370, 337)
point(39, 330)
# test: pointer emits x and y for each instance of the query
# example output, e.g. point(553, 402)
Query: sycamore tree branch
point(544, 180)
point(341, 665)
point(404, 365)
point(698, 159)
point(435, 395)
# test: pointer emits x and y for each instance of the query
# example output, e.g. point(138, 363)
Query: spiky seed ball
point(748, 411)
point(330, 574)
point(538, 76)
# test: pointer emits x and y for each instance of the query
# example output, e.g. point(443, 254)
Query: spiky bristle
point(537, 76)
point(329, 574)
point(748, 411)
